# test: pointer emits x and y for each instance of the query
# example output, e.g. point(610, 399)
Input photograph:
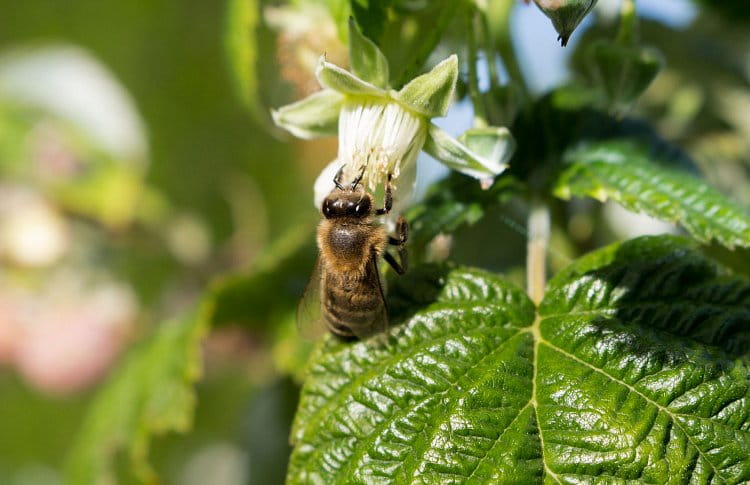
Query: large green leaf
point(634, 369)
point(151, 393)
point(629, 174)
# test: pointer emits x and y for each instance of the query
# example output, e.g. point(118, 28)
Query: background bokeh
point(140, 176)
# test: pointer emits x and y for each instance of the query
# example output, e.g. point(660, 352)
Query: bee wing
point(310, 321)
point(379, 323)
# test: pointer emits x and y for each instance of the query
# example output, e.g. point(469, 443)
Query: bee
point(345, 295)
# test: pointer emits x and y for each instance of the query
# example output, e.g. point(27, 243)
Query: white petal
point(380, 137)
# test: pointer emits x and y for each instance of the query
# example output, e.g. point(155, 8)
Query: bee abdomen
point(351, 311)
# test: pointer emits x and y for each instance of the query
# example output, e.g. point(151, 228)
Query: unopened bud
point(565, 15)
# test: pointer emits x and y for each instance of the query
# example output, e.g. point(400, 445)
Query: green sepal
point(460, 157)
point(333, 77)
point(494, 145)
point(315, 116)
point(430, 94)
point(565, 15)
point(367, 61)
point(623, 72)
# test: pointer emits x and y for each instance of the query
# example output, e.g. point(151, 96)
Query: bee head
point(339, 203)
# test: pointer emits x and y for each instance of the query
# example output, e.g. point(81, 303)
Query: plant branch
point(501, 23)
point(489, 51)
point(536, 250)
point(480, 114)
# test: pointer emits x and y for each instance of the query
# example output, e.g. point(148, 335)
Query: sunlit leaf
point(630, 175)
point(635, 369)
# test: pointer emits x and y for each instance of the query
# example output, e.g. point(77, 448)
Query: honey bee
point(344, 295)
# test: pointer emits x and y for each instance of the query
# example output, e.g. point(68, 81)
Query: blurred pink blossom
point(64, 341)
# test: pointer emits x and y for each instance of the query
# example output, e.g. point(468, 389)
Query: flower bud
point(565, 14)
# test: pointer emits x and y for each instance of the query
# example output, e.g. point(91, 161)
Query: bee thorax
point(348, 247)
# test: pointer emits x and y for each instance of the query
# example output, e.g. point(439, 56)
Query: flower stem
point(502, 21)
point(427, 43)
point(480, 115)
point(628, 31)
point(489, 50)
point(536, 250)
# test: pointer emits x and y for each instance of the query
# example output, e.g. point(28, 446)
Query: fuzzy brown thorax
point(347, 245)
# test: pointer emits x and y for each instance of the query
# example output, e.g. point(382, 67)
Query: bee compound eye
point(327, 210)
point(363, 207)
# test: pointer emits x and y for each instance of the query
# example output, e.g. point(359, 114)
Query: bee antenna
point(337, 178)
point(359, 177)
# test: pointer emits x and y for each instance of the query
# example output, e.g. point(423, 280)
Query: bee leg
point(399, 268)
point(388, 198)
point(402, 232)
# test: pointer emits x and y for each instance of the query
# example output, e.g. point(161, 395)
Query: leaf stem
point(536, 249)
point(480, 115)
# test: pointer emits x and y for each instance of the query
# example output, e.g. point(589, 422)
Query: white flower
point(382, 130)
point(378, 138)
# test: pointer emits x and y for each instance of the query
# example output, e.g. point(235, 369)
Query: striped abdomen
point(354, 306)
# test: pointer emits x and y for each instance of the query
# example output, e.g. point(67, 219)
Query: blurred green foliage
point(202, 76)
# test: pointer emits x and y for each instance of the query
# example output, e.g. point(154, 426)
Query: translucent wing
point(310, 320)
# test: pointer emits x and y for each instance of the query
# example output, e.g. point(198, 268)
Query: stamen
point(380, 136)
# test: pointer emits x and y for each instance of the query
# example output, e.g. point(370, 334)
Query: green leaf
point(635, 369)
point(151, 393)
point(458, 156)
point(431, 94)
point(371, 15)
point(367, 61)
point(333, 77)
point(316, 115)
point(242, 52)
point(629, 174)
